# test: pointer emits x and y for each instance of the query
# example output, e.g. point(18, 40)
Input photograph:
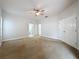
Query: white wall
point(50, 27)
point(15, 26)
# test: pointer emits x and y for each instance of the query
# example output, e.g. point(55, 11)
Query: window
point(39, 29)
point(34, 29)
point(31, 27)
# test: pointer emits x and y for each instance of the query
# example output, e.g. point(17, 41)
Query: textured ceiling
point(21, 7)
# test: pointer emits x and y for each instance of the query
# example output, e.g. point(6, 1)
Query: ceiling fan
point(38, 12)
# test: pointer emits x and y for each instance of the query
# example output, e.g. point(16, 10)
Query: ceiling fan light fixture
point(38, 12)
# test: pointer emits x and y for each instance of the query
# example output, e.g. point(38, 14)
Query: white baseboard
point(14, 38)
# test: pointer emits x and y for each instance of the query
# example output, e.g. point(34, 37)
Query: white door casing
point(0, 29)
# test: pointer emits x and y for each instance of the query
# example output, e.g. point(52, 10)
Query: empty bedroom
point(39, 29)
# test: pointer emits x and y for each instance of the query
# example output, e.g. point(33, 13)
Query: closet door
point(68, 30)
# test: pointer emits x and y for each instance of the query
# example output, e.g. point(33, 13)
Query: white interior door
point(68, 31)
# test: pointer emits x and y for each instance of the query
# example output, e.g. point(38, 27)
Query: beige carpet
point(37, 48)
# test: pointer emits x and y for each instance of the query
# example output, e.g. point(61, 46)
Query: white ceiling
point(21, 7)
